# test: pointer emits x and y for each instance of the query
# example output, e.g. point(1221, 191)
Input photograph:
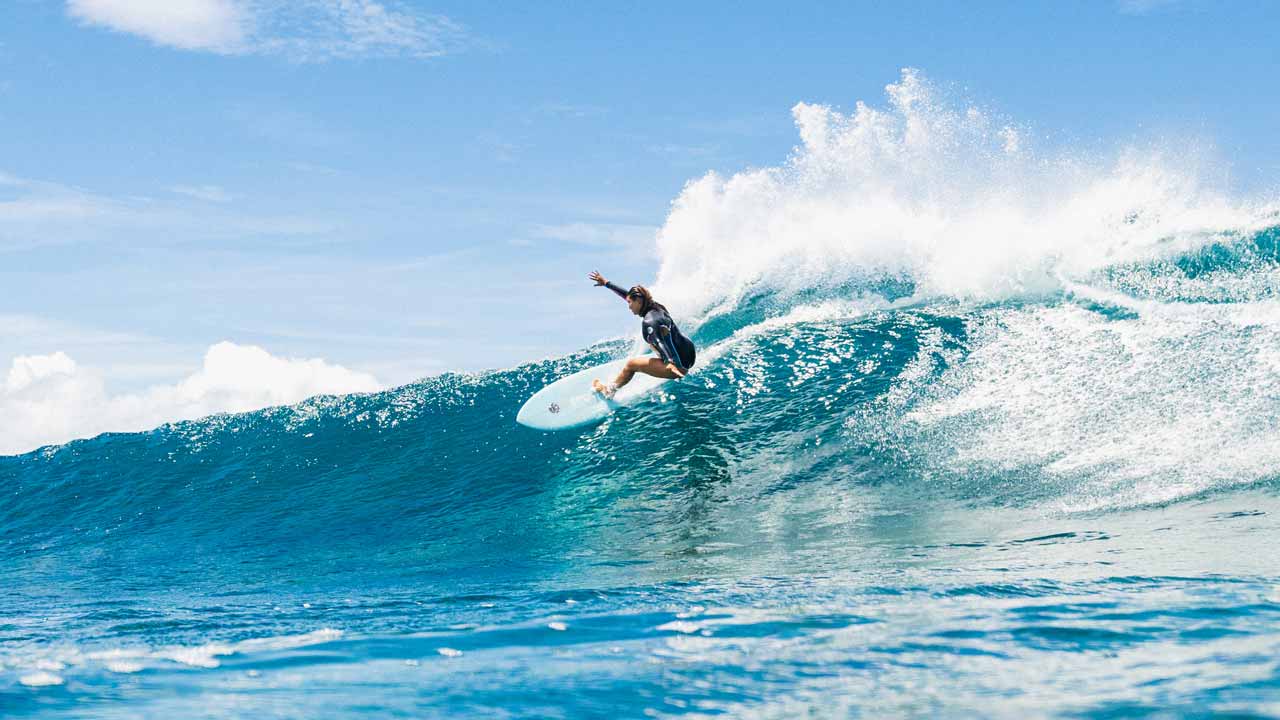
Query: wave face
point(962, 410)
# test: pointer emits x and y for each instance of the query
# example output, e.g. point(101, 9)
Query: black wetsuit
point(661, 333)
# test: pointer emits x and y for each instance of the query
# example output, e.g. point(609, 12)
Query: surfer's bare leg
point(647, 365)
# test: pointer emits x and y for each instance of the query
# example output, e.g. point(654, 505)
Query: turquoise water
point(1059, 504)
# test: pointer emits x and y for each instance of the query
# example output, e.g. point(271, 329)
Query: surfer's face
point(636, 304)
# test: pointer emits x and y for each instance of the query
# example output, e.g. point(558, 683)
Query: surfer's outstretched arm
point(617, 290)
point(596, 277)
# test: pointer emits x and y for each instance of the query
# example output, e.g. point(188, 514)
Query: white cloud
point(283, 126)
point(499, 148)
point(314, 169)
point(208, 193)
point(318, 29)
point(66, 207)
point(571, 110)
point(216, 25)
point(55, 333)
point(630, 242)
point(676, 150)
point(48, 399)
point(302, 30)
point(600, 234)
point(36, 213)
point(33, 200)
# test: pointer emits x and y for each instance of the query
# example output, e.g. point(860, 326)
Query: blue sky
point(409, 187)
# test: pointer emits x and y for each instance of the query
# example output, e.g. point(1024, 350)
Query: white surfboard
point(570, 401)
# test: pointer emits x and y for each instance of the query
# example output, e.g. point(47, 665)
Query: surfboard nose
point(526, 414)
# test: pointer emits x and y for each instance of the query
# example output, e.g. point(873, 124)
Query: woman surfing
point(676, 352)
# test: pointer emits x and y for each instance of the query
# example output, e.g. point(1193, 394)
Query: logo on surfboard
point(553, 408)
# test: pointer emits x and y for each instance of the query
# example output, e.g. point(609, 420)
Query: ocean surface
point(972, 434)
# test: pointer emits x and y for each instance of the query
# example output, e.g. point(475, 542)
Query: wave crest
point(941, 195)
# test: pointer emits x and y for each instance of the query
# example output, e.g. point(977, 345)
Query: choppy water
point(883, 493)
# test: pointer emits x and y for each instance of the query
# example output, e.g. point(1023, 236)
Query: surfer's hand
point(597, 277)
point(678, 372)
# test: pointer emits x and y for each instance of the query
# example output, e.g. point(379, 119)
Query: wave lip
point(944, 194)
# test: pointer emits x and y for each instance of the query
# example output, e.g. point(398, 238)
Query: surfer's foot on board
point(607, 390)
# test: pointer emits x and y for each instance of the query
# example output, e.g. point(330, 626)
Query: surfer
point(675, 351)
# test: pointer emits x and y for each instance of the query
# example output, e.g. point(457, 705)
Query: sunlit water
point(956, 475)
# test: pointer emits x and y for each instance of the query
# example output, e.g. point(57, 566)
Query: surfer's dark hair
point(642, 292)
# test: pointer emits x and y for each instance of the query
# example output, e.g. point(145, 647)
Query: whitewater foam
point(938, 192)
point(43, 669)
point(1112, 412)
point(41, 679)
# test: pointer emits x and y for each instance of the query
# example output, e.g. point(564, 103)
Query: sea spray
point(939, 192)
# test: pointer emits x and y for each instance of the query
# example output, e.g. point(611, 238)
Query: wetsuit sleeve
point(620, 292)
point(657, 332)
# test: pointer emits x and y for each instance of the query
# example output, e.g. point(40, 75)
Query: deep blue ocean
point(1054, 504)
